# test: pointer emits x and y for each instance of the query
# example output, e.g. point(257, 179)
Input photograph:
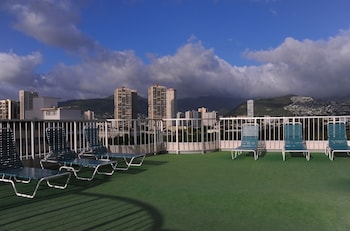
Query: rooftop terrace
point(194, 192)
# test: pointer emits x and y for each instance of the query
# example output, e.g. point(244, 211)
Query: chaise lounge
point(13, 171)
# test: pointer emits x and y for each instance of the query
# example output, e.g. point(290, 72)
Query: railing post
point(202, 136)
point(32, 139)
point(177, 136)
point(155, 137)
point(75, 137)
point(106, 133)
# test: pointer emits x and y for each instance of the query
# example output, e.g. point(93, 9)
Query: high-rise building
point(156, 102)
point(171, 104)
point(250, 108)
point(125, 103)
point(26, 102)
point(162, 103)
point(9, 109)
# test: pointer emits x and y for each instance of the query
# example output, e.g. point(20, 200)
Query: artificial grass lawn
point(194, 192)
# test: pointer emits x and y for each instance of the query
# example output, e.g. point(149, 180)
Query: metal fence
point(170, 135)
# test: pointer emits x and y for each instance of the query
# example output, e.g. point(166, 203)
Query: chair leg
point(233, 154)
point(58, 186)
point(307, 155)
point(75, 171)
point(26, 195)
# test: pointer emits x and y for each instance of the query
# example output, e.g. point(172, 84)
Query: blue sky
point(239, 48)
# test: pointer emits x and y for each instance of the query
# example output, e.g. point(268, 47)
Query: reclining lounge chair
point(337, 139)
point(97, 150)
point(61, 154)
point(12, 170)
point(293, 140)
point(250, 141)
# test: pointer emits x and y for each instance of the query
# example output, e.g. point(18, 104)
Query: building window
point(50, 113)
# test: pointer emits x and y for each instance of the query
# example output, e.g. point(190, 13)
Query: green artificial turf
point(194, 192)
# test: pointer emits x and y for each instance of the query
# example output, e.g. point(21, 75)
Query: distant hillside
point(269, 106)
point(220, 104)
point(104, 107)
point(288, 105)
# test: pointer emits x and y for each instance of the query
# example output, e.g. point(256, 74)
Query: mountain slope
point(269, 106)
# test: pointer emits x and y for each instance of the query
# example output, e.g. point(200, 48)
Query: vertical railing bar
point(32, 140)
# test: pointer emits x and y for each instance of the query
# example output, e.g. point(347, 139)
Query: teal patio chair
point(249, 141)
point(293, 140)
point(12, 170)
point(61, 154)
point(97, 150)
point(337, 139)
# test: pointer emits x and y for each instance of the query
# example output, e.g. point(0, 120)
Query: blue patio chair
point(337, 139)
point(12, 170)
point(61, 154)
point(293, 140)
point(97, 150)
point(249, 141)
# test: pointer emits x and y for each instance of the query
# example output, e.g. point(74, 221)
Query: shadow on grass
point(140, 169)
point(154, 162)
point(75, 208)
point(341, 154)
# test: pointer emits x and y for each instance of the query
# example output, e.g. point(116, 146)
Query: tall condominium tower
point(161, 102)
point(125, 103)
point(26, 102)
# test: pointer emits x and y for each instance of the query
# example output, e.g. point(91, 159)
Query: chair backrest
point(293, 135)
point(250, 135)
point(93, 140)
point(8, 155)
point(59, 147)
point(337, 138)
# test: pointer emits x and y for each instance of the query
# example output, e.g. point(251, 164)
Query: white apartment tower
point(9, 109)
point(162, 102)
point(250, 108)
point(26, 102)
point(125, 103)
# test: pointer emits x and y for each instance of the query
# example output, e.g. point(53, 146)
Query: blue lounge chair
point(249, 141)
point(99, 151)
point(61, 154)
point(337, 139)
point(293, 140)
point(12, 170)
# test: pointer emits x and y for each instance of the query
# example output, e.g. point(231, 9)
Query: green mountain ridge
point(225, 106)
point(265, 106)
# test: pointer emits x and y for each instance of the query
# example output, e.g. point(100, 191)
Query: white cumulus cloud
point(318, 68)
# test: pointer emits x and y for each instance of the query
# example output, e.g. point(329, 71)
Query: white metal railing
point(271, 131)
point(170, 135)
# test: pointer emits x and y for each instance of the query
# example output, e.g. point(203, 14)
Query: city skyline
point(239, 48)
